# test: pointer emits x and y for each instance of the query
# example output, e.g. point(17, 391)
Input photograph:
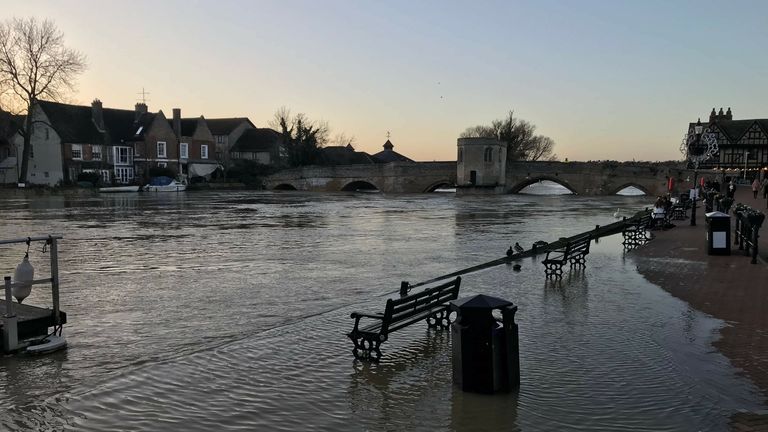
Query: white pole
point(55, 280)
point(746, 153)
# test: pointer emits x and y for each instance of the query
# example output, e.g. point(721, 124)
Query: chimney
point(712, 116)
point(177, 123)
point(141, 108)
point(97, 114)
point(729, 114)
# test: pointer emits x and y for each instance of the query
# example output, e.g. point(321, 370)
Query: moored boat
point(165, 184)
point(119, 189)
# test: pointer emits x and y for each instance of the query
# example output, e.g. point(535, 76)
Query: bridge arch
point(359, 185)
point(285, 187)
point(630, 184)
point(439, 184)
point(529, 181)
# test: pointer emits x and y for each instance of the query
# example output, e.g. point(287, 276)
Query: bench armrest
point(358, 315)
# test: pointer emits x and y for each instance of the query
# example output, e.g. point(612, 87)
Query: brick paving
point(726, 287)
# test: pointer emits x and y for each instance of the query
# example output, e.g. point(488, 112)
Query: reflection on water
point(208, 311)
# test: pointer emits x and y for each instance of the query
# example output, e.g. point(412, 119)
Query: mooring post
point(55, 279)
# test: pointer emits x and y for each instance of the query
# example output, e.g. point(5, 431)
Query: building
point(196, 145)
point(742, 144)
point(481, 162)
point(263, 145)
point(9, 126)
point(343, 155)
point(389, 155)
point(226, 132)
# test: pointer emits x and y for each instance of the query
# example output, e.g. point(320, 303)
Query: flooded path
point(228, 311)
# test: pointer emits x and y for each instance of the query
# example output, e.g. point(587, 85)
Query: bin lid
point(717, 214)
point(480, 301)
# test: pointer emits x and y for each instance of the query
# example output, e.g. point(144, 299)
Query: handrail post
point(10, 334)
point(404, 288)
point(9, 306)
point(754, 244)
point(55, 280)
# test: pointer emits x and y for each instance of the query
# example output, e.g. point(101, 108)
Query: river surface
point(228, 311)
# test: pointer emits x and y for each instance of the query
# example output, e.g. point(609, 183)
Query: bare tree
point(341, 139)
point(34, 65)
point(519, 135)
point(301, 137)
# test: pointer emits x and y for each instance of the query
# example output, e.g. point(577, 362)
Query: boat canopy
point(160, 181)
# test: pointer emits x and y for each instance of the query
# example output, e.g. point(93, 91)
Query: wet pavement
point(726, 287)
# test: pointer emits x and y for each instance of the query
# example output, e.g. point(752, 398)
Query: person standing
point(731, 189)
point(755, 187)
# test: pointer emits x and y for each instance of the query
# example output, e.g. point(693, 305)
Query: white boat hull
point(167, 188)
point(117, 189)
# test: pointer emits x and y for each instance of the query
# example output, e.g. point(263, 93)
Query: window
point(488, 155)
point(204, 152)
point(461, 155)
point(184, 150)
point(77, 151)
point(162, 165)
point(96, 152)
point(46, 174)
point(220, 139)
point(123, 156)
point(31, 151)
point(123, 175)
point(161, 149)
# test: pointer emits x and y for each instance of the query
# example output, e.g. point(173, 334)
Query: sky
point(605, 79)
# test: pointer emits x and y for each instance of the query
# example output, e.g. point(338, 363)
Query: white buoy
point(617, 214)
point(22, 278)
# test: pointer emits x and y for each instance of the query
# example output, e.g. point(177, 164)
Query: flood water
point(228, 311)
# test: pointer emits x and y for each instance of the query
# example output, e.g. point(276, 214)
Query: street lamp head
point(698, 129)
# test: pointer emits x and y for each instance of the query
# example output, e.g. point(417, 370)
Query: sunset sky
point(604, 79)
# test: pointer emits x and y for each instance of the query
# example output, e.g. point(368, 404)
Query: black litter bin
point(718, 233)
point(485, 349)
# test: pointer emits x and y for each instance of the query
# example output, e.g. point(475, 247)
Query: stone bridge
point(582, 178)
point(595, 178)
point(394, 177)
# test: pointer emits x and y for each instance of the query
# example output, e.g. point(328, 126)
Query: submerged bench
point(430, 304)
point(575, 252)
point(636, 233)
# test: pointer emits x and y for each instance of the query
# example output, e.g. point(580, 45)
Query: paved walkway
point(726, 287)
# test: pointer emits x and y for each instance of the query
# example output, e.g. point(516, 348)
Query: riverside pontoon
point(25, 328)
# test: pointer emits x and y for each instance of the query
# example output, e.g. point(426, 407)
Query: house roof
point(735, 129)
point(388, 155)
point(225, 126)
point(9, 125)
point(254, 140)
point(74, 123)
point(188, 126)
point(343, 155)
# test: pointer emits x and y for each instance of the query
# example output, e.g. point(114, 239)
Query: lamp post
point(696, 152)
point(746, 154)
point(697, 130)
